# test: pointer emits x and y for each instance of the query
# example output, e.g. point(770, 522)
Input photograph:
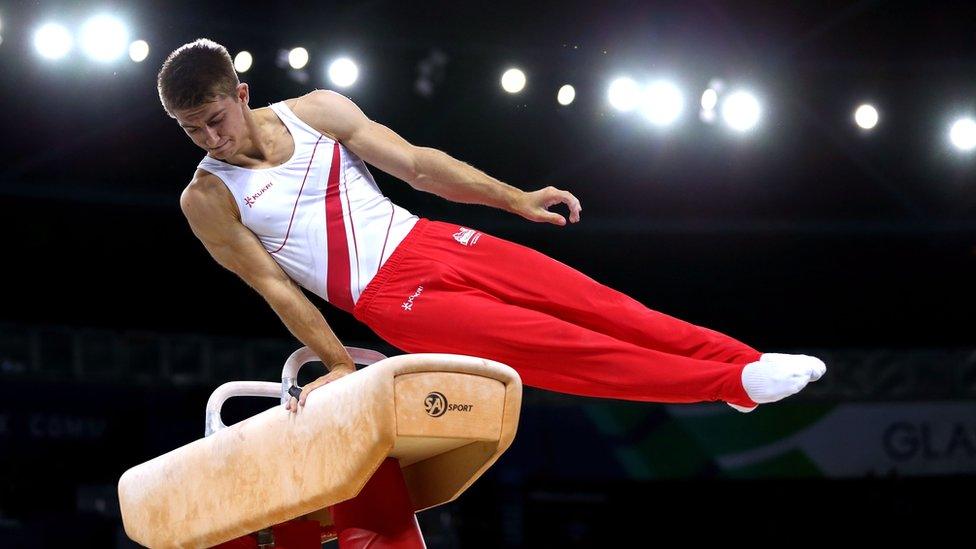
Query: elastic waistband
point(389, 268)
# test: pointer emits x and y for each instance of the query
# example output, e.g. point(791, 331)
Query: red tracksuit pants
point(450, 289)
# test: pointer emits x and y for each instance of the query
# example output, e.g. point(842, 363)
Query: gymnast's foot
point(776, 376)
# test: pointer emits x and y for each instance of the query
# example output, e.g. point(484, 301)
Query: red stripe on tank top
point(288, 232)
point(352, 224)
point(337, 277)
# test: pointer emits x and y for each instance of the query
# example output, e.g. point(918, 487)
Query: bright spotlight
point(298, 58)
point(866, 116)
point(963, 134)
point(104, 38)
point(741, 111)
point(624, 94)
point(52, 41)
point(138, 51)
point(343, 72)
point(662, 103)
point(513, 81)
point(709, 99)
point(566, 95)
point(242, 61)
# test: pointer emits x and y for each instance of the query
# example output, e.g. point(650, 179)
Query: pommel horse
point(356, 463)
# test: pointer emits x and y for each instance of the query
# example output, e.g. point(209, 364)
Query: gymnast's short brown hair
point(196, 73)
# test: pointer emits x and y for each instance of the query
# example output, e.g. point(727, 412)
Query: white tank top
point(320, 214)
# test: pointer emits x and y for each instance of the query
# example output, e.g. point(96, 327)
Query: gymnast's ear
point(243, 93)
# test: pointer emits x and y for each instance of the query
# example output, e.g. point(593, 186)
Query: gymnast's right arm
point(213, 218)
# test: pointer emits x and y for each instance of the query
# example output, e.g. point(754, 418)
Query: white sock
point(818, 367)
point(776, 376)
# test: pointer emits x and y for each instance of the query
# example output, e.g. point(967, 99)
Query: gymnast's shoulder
point(329, 112)
point(207, 194)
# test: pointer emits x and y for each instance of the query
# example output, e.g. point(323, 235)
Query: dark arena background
point(804, 180)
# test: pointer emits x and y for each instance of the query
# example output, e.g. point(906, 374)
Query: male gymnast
point(283, 199)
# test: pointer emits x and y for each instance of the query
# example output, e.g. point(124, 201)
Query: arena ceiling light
point(566, 95)
point(138, 51)
point(298, 58)
point(243, 61)
point(662, 103)
point(624, 94)
point(513, 80)
point(52, 41)
point(962, 134)
point(866, 116)
point(709, 100)
point(104, 38)
point(343, 72)
point(741, 111)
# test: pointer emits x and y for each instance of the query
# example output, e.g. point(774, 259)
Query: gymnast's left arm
point(427, 169)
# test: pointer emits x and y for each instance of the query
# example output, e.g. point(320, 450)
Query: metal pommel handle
point(301, 357)
point(234, 389)
point(289, 375)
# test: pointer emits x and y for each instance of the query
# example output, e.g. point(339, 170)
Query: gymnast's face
point(219, 126)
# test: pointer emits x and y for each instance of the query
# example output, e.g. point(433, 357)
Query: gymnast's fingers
point(574, 207)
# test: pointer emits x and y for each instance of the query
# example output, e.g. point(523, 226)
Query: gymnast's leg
point(548, 352)
point(456, 292)
point(522, 276)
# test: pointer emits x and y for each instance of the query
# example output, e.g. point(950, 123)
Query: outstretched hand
point(534, 206)
point(333, 375)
